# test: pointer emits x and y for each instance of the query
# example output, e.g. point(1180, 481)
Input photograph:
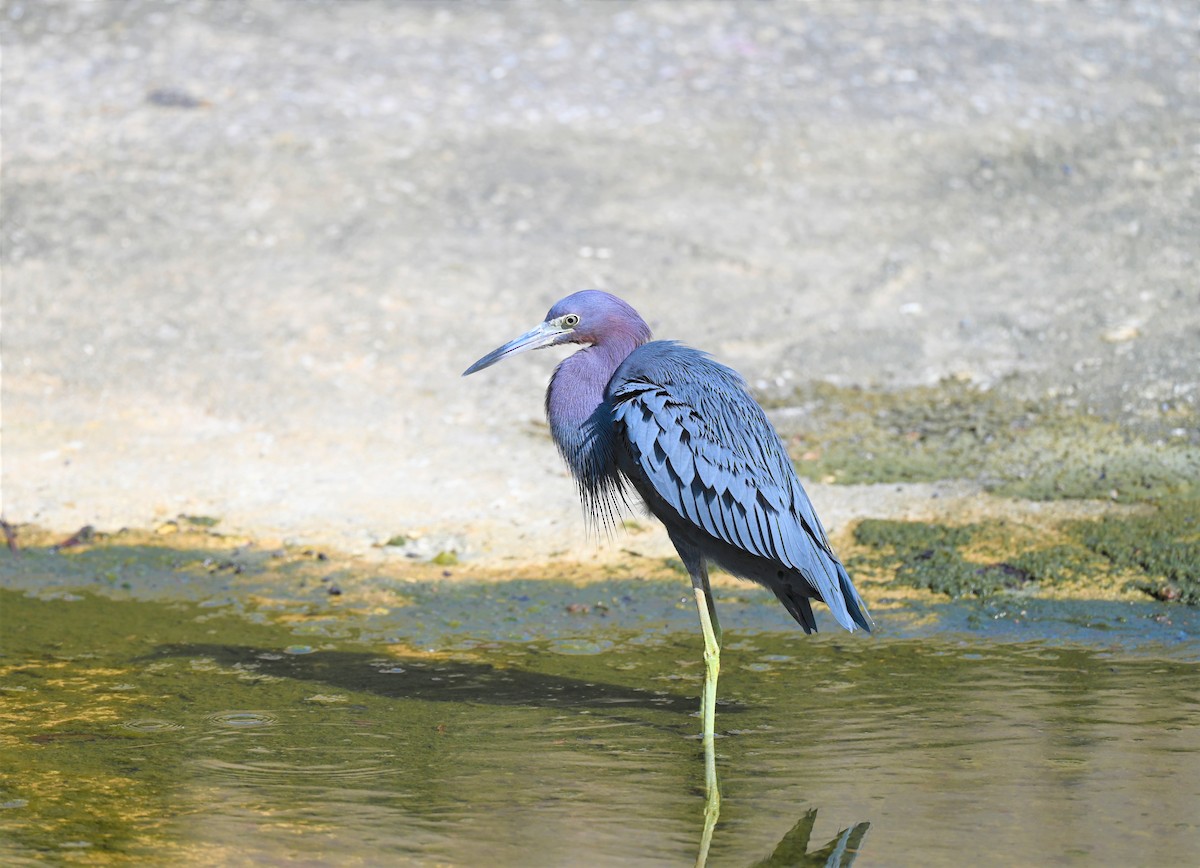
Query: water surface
point(187, 733)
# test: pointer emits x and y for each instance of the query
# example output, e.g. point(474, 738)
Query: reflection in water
point(712, 801)
point(792, 850)
point(171, 735)
point(457, 680)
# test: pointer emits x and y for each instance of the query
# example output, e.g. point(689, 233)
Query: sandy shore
point(249, 248)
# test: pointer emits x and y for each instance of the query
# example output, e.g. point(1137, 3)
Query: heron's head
point(591, 316)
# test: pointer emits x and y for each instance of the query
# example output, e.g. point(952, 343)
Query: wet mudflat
point(548, 723)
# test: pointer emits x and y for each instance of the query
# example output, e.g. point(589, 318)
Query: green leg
point(708, 707)
point(712, 666)
point(712, 606)
point(712, 810)
point(712, 648)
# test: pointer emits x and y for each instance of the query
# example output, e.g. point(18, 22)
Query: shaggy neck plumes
point(580, 423)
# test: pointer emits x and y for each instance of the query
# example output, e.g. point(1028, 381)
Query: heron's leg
point(712, 652)
point(712, 810)
point(712, 606)
point(708, 704)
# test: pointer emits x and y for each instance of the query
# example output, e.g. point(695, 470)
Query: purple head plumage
point(590, 316)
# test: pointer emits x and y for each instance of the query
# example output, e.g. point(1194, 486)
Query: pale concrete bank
point(248, 248)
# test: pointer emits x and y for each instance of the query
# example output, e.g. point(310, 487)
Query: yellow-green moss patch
point(1012, 445)
point(1158, 553)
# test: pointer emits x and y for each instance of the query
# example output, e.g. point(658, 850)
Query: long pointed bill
point(543, 336)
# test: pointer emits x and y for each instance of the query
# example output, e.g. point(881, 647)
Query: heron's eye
point(570, 320)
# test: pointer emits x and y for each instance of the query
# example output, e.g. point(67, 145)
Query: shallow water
point(468, 729)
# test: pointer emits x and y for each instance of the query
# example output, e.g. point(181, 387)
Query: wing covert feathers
point(709, 451)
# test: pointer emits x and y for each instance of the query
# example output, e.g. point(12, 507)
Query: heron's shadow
point(441, 680)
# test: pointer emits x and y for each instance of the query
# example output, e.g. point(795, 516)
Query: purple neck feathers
point(581, 428)
point(577, 387)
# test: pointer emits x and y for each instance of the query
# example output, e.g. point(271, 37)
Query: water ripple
point(150, 724)
point(242, 719)
point(309, 773)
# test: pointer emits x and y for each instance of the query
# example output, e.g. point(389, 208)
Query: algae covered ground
point(1013, 445)
point(1143, 476)
point(1157, 553)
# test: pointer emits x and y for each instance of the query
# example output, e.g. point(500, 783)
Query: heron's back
point(710, 465)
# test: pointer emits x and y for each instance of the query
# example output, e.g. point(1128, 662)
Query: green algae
point(200, 520)
point(1018, 447)
point(1163, 548)
point(931, 556)
point(1158, 553)
point(1012, 445)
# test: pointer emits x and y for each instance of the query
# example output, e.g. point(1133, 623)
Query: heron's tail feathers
point(855, 606)
point(848, 607)
point(798, 607)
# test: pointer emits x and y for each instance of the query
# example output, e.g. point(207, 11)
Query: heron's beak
point(546, 334)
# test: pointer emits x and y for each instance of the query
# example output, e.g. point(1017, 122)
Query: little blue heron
point(696, 447)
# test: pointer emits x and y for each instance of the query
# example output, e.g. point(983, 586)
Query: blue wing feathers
point(758, 527)
point(711, 508)
point(703, 498)
point(741, 528)
point(689, 505)
point(647, 435)
point(708, 450)
point(681, 458)
point(854, 603)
